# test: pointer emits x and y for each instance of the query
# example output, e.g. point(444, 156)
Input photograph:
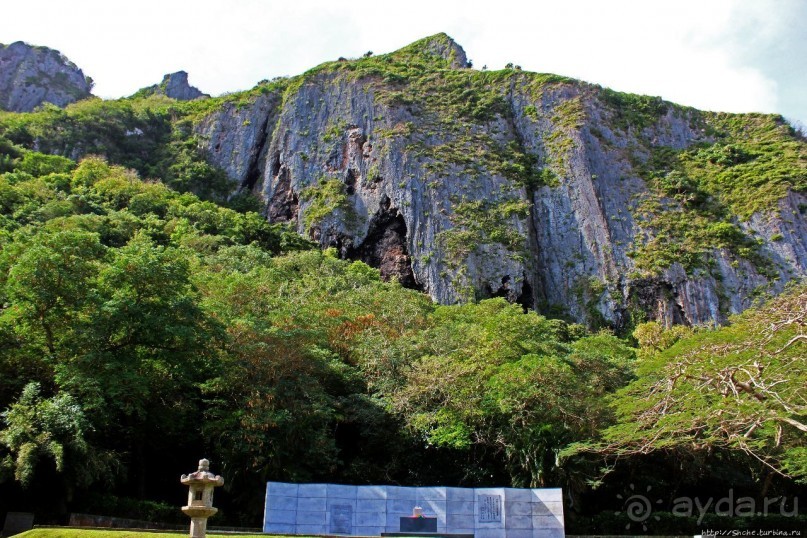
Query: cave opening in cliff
point(284, 203)
point(385, 247)
point(659, 300)
point(255, 164)
point(503, 291)
point(526, 298)
point(350, 183)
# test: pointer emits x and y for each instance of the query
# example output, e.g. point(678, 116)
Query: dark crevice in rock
point(658, 299)
point(385, 247)
point(526, 299)
point(256, 159)
point(331, 238)
point(335, 159)
point(284, 203)
point(358, 139)
point(623, 322)
point(487, 291)
point(506, 291)
point(350, 182)
point(533, 285)
point(274, 169)
point(372, 183)
point(503, 291)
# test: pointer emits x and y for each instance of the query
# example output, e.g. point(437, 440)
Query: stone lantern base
point(199, 515)
point(198, 527)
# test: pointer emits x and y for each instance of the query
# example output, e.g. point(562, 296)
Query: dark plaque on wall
point(490, 508)
point(418, 524)
point(341, 519)
point(17, 522)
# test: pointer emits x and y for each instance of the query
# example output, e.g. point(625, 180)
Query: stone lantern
point(200, 497)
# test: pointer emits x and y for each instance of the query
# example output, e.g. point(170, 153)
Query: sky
point(724, 55)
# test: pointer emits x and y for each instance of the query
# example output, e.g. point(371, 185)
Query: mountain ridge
point(33, 75)
point(582, 151)
point(557, 194)
point(175, 86)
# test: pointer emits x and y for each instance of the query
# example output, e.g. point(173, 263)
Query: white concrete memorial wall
point(371, 510)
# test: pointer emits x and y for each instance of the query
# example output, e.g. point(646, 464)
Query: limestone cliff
point(576, 200)
point(175, 86)
point(30, 76)
point(560, 195)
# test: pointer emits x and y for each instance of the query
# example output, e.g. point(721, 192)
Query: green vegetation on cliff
point(142, 322)
point(152, 135)
point(133, 313)
point(755, 160)
point(701, 195)
point(325, 197)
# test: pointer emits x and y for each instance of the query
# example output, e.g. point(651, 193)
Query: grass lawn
point(115, 533)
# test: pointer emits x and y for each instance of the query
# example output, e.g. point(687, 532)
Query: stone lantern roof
point(202, 475)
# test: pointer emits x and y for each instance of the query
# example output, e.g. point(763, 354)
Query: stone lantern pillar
point(200, 497)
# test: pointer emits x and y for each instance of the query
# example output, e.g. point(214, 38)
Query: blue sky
point(728, 55)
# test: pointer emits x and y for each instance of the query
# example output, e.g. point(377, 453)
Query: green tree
point(50, 283)
point(493, 376)
point(39, 164)
point(120, 330)
point(739, 388)
point(146, 331)
point(50, 434)
point(146, 347)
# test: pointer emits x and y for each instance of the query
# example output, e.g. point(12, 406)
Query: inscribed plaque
point(490, 508)
point(341, 519)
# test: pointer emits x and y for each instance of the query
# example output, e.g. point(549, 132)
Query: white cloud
point(692, 52)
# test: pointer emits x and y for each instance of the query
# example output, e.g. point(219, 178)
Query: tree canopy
point(140, 325)
point(740, 387)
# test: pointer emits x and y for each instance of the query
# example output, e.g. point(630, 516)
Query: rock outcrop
point(30, 76)
point(556, 194)
point(236, 136)
point(562, 196)
point(175, 86)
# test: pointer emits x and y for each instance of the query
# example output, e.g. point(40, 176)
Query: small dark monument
point(418, 524)
point(17, 522)
point(341, 519)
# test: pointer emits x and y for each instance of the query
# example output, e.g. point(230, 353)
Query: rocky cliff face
point(556, 194)
point(30, 76)
point(566, 197)
point(237, 134)
point(175, 86)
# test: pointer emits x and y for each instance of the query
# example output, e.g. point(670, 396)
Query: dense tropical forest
point(151, 315)
point(143, 328)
